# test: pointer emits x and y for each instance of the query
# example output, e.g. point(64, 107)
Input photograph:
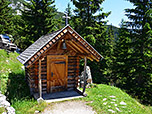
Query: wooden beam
point(90, 58)
point(40, 82)
point(74, 45)
point(48, 78)
point(82, 41)
point(38, 53)
point(84, 77)
point(81, 47)
point(59, 45)
point(71, 47)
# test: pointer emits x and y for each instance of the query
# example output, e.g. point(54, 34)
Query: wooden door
point(57, 73)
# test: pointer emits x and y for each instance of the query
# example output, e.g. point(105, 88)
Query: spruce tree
point(88, 22)
point(85, 20)
point(133, 63)
point(121, 62)
point(68, 11)
point(39, 19)
point(5, 17)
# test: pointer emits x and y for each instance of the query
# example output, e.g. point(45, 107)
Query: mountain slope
point(109, 99)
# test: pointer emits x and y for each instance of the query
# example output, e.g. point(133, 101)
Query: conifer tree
point(121, 65)
point(133, 63)
point(85, 20)
point(88, 22)
point(141, 32)
point(5, 17)
point(68, 11)
point(39, 19)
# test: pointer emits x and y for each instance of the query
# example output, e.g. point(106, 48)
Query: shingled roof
point(51, 38)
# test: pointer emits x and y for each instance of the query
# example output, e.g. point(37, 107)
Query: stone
point(123, 103)
point(115, 104)
point(113, 99)
point(23, 68)
point(112, 96)
point(10, 110)
point(40, 100)
point(118, 109)
point(111, 110)
point(7, 61)
point(89, 77)
point(4, 113)
point(5, 103)
point(36, 112)
point(105, 103)
point(104, 99)
point(2, 98)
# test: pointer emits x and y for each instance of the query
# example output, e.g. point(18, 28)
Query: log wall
point(73, 71)
point(32, 74)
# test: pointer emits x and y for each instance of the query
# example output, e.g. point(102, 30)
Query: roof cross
point(66, 18)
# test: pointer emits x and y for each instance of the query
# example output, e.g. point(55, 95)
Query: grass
point(18, 95)
point(8, 64)
point(28, 106)
point(2, 110)
point(14, 86)
point(99, 98)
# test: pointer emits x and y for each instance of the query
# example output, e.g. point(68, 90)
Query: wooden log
point(59, 45)
point(85, 64)
point(76, 47)
point(40, 83)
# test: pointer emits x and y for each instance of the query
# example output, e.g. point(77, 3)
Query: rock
point(111, 110)
point(5, 103)
point(105, 103)
point(4, 113)
point(118, 109)
point(123, 103)
point(104, 99)
point(89, 77)
point(7, 61)
point(23, 68)
point(115, 104)
point(112, 96)
point(112, 102)
point(40, 100)
point(36, 112)
point(113, 99)
point(10, 110)
point(2, 98)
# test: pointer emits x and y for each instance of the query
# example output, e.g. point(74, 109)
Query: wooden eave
point(33, 52)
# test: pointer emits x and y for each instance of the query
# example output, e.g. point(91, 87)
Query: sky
point(115, 6)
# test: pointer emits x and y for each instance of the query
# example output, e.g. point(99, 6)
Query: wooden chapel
point(52, 62)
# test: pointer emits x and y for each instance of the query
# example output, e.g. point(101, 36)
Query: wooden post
point(40, 82)
point(84, 77)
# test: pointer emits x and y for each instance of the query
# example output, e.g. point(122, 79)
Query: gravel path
point(69, 107)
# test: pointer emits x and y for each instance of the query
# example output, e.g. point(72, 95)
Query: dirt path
point(69, 107)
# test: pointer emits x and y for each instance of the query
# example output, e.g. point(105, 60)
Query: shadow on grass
point(17, 87)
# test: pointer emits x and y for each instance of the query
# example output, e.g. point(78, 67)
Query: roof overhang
point(38, 48)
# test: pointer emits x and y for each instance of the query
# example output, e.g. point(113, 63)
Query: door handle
point(51, 74)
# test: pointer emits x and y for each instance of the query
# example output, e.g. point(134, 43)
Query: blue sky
point(116, 6)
